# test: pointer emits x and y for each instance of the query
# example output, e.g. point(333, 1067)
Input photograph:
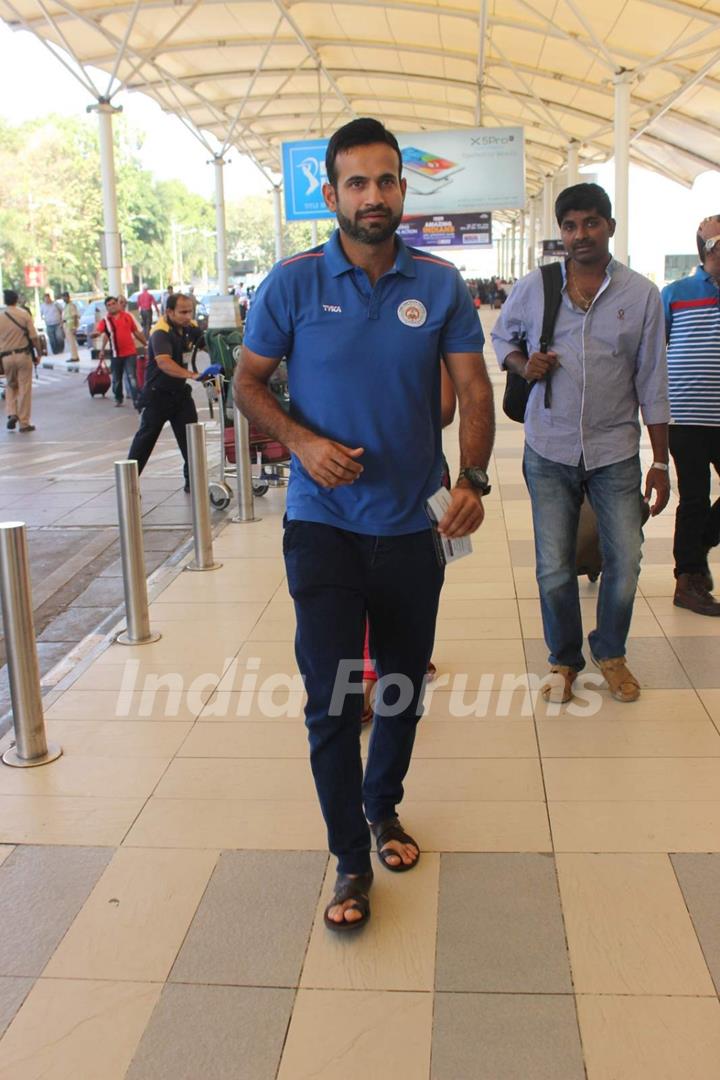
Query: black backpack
point(517, 389)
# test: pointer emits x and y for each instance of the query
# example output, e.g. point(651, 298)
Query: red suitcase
point(99, 380)
point(271, 450)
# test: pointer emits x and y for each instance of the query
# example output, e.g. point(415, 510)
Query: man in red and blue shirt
point(692, 318)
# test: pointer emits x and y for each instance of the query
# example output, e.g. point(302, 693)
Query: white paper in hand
point(449, 550)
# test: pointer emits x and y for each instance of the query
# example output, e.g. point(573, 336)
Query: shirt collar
point(701, 272)
point(338, 262)
point(612, 267)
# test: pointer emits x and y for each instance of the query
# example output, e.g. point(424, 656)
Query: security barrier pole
point(31, 747)
point(127, 487)
point(200, 497)
point(245, 499)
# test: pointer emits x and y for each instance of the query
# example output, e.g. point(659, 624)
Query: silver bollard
point(31, 747)
point(127, 489)
point(199, 494)
point(245, 498)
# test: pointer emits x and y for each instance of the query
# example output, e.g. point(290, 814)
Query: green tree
point(251, 231)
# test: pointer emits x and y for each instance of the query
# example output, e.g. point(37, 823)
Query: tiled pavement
point(162, 884)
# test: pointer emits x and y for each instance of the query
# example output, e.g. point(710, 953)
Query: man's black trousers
point(695, 448)
point(159, 408)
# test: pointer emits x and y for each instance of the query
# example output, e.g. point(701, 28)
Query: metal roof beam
point(253, 80)
point(529, 90)
point(674, 98)
point(589, 30)
point(280, 5)
point(102, 11)
point(157, 47)
point(82, 76)
point(673, 50)
point(482, 36)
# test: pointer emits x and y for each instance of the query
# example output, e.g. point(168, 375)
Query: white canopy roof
point(257, 72)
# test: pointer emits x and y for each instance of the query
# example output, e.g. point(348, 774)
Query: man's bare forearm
point(262, 408)
point(477, 424)
point(659, 441)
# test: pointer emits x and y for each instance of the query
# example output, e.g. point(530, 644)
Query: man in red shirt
point(120, 329)
point(146, 302)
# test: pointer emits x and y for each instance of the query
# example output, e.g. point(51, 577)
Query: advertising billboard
point(464, 170)
point(447, 230)
point(303, 177)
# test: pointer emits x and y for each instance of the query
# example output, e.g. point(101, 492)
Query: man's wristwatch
point(477, 478)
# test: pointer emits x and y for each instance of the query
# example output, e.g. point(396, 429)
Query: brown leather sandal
point(623, 684)
point(558, 688)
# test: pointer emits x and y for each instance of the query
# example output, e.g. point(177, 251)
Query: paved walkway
point(164, 881)
point(59, 480)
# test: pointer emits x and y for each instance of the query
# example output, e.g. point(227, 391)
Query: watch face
point(478, 478)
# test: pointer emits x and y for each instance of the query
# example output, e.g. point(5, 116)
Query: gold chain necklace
point(585, 301)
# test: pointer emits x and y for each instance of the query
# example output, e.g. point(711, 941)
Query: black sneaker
point(28, 427)
point(12, 423)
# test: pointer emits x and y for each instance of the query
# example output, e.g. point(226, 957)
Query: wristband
point(662, 465)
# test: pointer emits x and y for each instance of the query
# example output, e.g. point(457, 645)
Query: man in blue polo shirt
point(363, 320)
point(692, 319)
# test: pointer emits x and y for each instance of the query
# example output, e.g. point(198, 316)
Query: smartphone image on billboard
point(429, 165)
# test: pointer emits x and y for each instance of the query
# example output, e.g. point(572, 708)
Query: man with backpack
point(606, 359)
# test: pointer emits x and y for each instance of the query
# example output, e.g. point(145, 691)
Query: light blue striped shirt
point(611, 361)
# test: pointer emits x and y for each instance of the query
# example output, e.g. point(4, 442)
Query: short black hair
point(109, 300)
point(583, 197)
point(10, 297)
point(172, 301)
point(361, 132)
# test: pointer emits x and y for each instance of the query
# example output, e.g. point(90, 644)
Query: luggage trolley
point(271, 464)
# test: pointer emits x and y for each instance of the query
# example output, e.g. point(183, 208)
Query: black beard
point(377, 234)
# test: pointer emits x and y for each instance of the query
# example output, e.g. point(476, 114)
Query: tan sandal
point(621, 681)
point(558, 688)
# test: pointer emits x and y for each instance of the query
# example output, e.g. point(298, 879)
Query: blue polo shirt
point(364, 370)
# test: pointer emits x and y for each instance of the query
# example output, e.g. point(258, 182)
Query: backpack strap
point(552, 278)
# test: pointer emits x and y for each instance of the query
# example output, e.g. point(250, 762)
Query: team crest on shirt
point(412, 313)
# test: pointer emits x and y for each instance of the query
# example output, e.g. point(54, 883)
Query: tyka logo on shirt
point(334, 308)
point(412, 313)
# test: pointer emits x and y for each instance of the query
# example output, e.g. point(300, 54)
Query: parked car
point(90, 316)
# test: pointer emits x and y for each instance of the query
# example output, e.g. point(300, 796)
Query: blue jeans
point(56, 337)
point(336, 579)
point(556, 493)
point(127, 366)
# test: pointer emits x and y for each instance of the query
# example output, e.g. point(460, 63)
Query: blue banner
point(447, 230)
point(303, 177)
